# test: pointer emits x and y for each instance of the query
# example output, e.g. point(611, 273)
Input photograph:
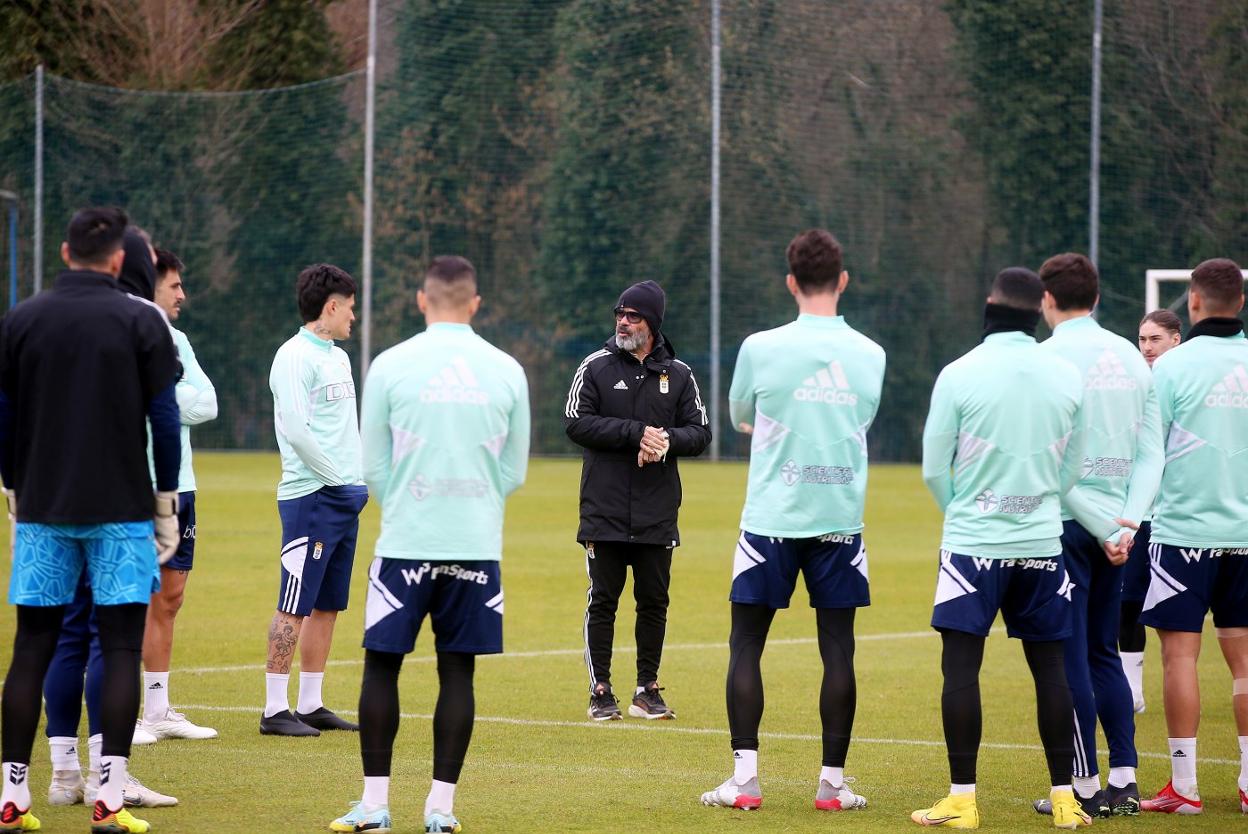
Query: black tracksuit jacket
point(612, 399)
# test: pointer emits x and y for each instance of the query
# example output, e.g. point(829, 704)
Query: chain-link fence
point(565, 147)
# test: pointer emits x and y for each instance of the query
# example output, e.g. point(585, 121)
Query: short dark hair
point(1018, 287)
point(450, 280)
point(316, 284)
point(1220, 282)
point(1072, 280)
point(95, 233)
point(167, 262)
point(815, 260)
point(1164, 319)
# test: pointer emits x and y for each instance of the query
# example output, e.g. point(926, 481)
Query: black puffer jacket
point(612, 400)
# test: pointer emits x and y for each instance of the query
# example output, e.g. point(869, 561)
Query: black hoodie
point(138, 273)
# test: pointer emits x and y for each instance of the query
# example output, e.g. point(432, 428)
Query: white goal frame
point(1154, 278)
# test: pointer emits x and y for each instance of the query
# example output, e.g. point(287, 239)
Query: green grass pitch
point(536, 763)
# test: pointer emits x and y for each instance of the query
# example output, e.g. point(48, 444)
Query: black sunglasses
point(632, 316)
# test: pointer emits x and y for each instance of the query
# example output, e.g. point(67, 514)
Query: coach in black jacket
point(636, 409)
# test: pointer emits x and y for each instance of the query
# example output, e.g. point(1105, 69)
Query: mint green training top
point(446, 439)
point(197, 403)
point(1202, 388)
point(318, 433)
point(810, 389)
point(1001, 445)
point(1122, 458)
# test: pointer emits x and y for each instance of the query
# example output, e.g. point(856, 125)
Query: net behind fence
point(564, 147)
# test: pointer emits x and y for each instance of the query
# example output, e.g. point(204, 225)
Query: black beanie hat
point(648, 299)
point(138, 274)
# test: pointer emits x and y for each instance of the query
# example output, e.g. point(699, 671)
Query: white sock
point(155, 695)
point(1183, 766)
point(1133, 666)
point(275, 687)
point(376, 793)
point(16, 785)
point(441, 797)
point(1120, 777)
point(834, 776)
point(310, 691)
point(95, 744)
point(64, 751)
point(1243, 763)
point(958, 790)
point(112, 781)
point(745, 765)
point(1087, 785)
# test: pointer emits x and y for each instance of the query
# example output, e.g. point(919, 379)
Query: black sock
point(453, 715)
point(838, 696)
point(33, 646)
point(121, 649)
point(379, 710)
point(1131, 636)
point(750, 624)
point(1055, 707)
point(961, 657)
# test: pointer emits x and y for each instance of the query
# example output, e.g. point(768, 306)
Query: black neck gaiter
point(998, 318)
point(1215, 326)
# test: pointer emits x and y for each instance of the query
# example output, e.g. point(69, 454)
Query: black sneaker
point(1095, 805)
point(604, 706)
point(1124, 801)
point(284, 724)
point(648, 704)
point(324, 719)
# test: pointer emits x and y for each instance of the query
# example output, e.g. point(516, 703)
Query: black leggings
point(962, 713)
point(121, 642)
point(1131, 637)
point(838, 694)
point(452, 717)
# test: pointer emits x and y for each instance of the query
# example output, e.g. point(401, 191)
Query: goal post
point(1154, 278)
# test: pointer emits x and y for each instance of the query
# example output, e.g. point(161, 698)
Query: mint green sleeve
point(1150, 460)
point(292, 385)
point(940, 441)
point(741, 392)
point(1089, 517)
point(1072, 456)
point(197, 398)
point(514, 459)
point(375, 434)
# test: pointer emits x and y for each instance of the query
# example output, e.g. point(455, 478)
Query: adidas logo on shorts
point(456, 383)
point(1231, 392)
point(829, 385)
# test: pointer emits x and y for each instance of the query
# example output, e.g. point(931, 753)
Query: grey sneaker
point(831, 797)
point(603, 705)
point(747, 797)
point(648, 704)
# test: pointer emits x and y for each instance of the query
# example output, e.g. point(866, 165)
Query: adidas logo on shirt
point(620, 386)
point(1108, 374)
point(1231, 392)
point(456, 383)
point(828, 385)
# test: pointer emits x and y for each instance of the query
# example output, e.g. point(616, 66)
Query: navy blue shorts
point(464, 600)
point(1135, 573)
point(184, 556)
point(1188, 582)
point(764, 570)
point(318, 547)
point(1033, 596)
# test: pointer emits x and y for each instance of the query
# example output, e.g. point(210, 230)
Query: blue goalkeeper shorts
point(48, 559)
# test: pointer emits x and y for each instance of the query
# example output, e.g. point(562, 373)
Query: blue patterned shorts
point(120, 559)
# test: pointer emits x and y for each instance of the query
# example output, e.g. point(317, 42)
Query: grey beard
point(628, 343)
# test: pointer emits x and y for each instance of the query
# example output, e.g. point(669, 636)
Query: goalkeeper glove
point(166, 523)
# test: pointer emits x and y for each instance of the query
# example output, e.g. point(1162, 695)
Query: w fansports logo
point(828, 385)
point(1108, 374)
point(456, 383)
point(1231, 392)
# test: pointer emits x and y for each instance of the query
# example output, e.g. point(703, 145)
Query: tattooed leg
point(283, 636)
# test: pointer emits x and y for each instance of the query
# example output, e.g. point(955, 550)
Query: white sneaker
point(731, 795)
point(141, 735)
point(66, 787)
point(175, 725)
point(135, 794)
point(832, 798)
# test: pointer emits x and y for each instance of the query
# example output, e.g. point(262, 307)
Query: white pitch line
point(623, 726)
point(580, 652)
